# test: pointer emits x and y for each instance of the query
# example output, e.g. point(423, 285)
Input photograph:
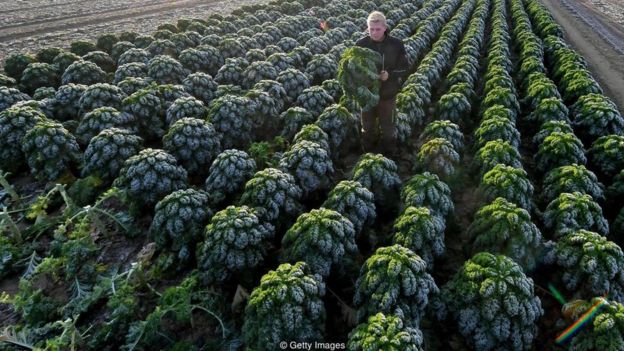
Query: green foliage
point(444, 129)
point(16, 63)
point(309, 162)
point(265, 114)
point(50, 150)
point(275, 192)
point(605, 331)
point(147, 107)
point(570, 212)
point(589, 264)
point(64, 59)
point(510, 183)
point(10, 96)
point(314, 99)
point(257, 71)
point(82, 47)
point(501, 227)
point(354, 201)
point(287, 305)
point(231, 72)
point(196, 60)
point(194, 143)
point(383, 332)
point(150, 175)
point(37, 75)
point(379, 175)
point(176, 309)
point(83, 72)
point(320, 68)
point(339, 124)
point(497, 128)
point(106, 41)
point(549, 109)
point(201, 86)
point(134, 55)
point(232, 118)
point(410, 103)
point(569, 179)
point(422, 231)
point(394, 281)
point(107, 152)
point(178, 221)
point(493, 302)
point(427, 190)
point(14, 123)
point(228, 173)
point(67, 101)
point(607, 154)
point(358, 75)
point(454, 107)
point(294, 119)
point(321, 238)
point(92, 123)
point(102, 59)
point(313, 133)
point(550, 127)
point(504, 97)
point(276, 91)
point(235, 240)
point(164, 69)
point(595, 115)
point(438, 156)
point(497, 152)
point(130, 70)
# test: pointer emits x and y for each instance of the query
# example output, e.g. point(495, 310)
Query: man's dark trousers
point(384, 111)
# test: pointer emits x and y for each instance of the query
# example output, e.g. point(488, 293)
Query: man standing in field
point(392, 72)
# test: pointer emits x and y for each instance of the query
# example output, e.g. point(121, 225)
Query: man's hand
point(383, 76)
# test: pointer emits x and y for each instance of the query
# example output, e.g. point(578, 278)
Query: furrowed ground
point(187, 175)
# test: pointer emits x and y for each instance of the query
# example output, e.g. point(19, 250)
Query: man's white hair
point(376, 17)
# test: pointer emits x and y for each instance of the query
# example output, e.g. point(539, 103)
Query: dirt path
point(600, 42)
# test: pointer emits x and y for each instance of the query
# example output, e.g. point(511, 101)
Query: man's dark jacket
point(394, 62)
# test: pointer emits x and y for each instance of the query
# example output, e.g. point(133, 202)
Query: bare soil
point(599, 38)
point(33, 25)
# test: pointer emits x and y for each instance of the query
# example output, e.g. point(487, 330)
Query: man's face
point(376, 30)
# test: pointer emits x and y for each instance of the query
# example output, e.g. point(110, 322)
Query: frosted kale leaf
point(510, 183)
point(427, 190)
point(353, 201)
point(569, 179)
point(151, 175)
point(379, 175)
point(234, 241)
point(570, 212)
point(321, 238)
point(502, 227)
point(50, 150)
point(383, 332)
point(591, 265)
point(275, 192)
point(107, 152)
point(310, 164)
point(179, 220)
point(194, 143)
point(14, 123)
point(493, 303)
point(287, 305)
point(228, 173)
point(394, 281)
